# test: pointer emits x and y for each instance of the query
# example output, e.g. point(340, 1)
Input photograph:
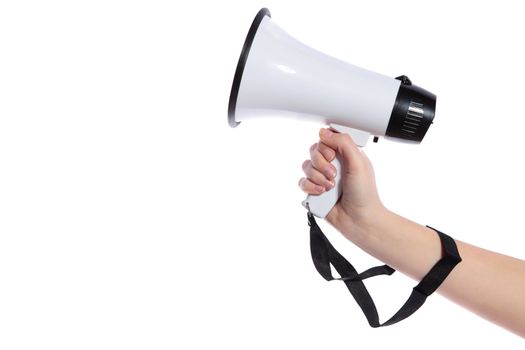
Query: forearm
point(490, 284)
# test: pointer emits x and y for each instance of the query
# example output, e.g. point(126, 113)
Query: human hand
point(359, 204)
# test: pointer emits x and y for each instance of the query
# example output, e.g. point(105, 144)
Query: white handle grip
point(320, 205)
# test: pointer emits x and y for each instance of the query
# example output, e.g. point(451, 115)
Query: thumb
point(343, 145)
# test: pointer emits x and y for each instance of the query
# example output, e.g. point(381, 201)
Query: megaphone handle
point(320, 205)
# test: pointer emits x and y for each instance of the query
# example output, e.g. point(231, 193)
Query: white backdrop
point(133, 217)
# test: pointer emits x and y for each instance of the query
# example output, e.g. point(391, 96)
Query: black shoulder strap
point(324, 255)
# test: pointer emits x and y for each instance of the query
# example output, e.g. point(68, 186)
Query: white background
point(133, 217)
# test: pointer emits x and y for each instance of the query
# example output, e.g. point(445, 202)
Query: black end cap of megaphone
point(242, 62)
point(413, 112)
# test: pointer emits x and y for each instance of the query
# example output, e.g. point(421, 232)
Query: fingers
point(317, 177)
point(309, 187)
point(321, 162)
point(344, 145)
point(327, 152)
point(319, 172)
point(341, 142)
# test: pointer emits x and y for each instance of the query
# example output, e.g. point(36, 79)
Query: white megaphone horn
point(277, 74)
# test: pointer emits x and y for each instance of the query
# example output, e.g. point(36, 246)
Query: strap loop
point(325, 255)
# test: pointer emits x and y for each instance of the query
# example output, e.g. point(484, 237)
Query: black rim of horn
point(242, 62)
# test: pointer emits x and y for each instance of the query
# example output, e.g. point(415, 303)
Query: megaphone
point(276, 74)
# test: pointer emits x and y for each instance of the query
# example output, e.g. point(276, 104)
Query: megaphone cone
point(278, 75)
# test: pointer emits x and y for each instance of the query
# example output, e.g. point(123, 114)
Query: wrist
point(365, 226)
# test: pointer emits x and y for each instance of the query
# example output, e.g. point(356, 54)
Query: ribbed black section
point(413, 112)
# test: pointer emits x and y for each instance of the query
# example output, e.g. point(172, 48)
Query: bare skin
point(491, 285)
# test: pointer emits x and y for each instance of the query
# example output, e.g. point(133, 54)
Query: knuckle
point(318, 160)
point(306, 164)
point(327, 152)
point(346, 138)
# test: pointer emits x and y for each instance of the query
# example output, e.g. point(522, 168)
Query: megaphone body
point(276, 74)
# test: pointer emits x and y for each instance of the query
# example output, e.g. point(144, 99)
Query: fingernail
point(330, 172)
point(329, 185)
point(326, 133)
point(319, 189)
